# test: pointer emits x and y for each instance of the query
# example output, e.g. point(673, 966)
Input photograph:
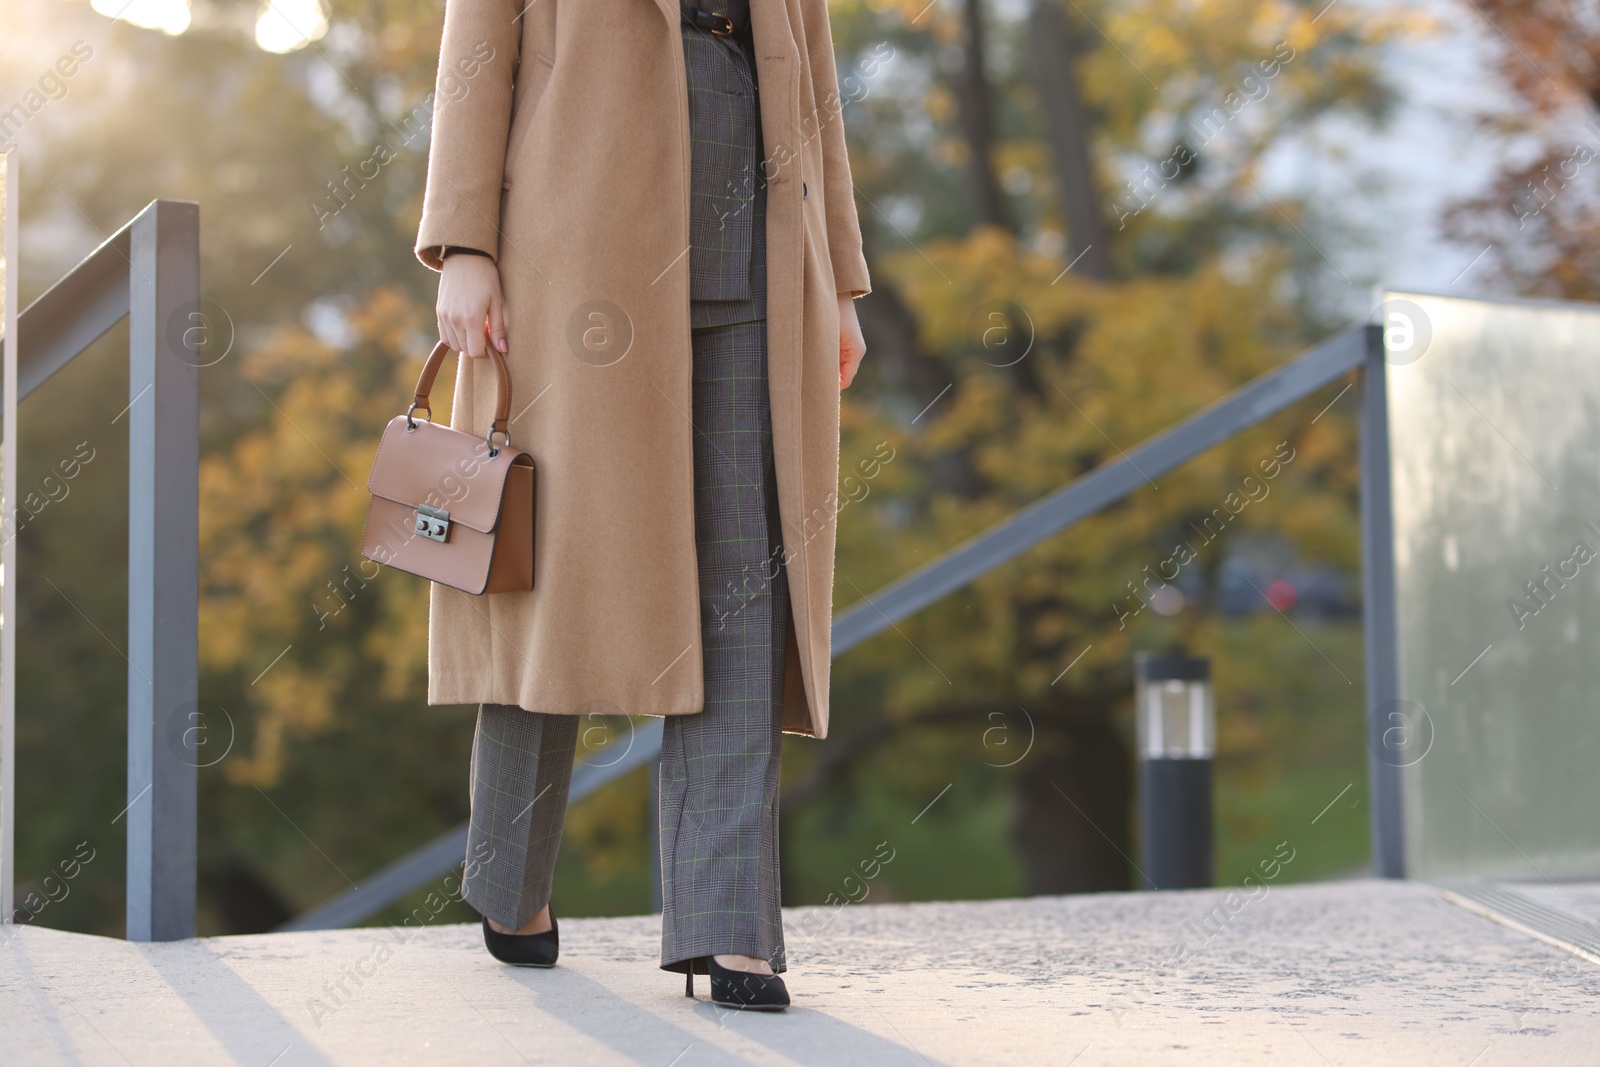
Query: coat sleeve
point(471, 121)
point(844, 228)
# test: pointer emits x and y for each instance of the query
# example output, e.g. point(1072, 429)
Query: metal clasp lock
point(432, 523)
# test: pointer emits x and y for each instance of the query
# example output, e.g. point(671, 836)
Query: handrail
point(1104, 486)
point(1254, 402)
point(148, 271)
point(74, 313)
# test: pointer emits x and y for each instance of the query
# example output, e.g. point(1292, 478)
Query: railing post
point(1380, 625)
point(163, 570)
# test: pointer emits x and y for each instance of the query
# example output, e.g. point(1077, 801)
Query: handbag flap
point(443, 468)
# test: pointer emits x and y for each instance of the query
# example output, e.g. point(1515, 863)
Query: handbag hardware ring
point(494, 449)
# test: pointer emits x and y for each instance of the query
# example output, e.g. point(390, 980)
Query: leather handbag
point(450, 506)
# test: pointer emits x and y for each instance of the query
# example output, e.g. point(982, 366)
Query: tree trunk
point(1074, 799)
point(890, 330)
point(976, 105)
point(1055, 78)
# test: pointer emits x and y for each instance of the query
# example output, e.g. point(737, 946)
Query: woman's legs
point(521, 771)
point(719, 768)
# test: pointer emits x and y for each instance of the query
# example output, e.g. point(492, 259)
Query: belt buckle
point(724, 26)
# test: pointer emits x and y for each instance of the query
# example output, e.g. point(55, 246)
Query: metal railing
point(1358, 348)
point(149, 273)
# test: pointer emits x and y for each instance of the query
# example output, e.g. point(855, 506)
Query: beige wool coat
point(560, 144)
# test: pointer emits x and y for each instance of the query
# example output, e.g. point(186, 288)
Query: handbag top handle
point(502, 403)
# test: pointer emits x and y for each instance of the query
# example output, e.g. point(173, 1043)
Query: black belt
point(715, 22)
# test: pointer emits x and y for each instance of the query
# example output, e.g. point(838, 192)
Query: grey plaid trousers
point(719, 768)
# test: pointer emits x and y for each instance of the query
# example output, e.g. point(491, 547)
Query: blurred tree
point(1022, 375)
point(1540, 218)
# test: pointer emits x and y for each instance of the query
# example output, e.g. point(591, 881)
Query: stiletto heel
point(524, 950)
point(739, 989)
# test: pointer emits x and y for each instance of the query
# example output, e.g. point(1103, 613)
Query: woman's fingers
point(852, 346)
point(497, 321)
point(470, 325)
point(849, 364)
point(447, 333)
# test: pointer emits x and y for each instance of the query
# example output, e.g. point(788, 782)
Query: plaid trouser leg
point(719, 769)
point(521, 771)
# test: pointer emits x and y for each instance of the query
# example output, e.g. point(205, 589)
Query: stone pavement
point(1357, 972)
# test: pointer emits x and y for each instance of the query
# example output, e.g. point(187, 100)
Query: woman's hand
point(471, 306)
point(852, 346)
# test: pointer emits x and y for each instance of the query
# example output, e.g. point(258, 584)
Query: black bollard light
point(1177, 729)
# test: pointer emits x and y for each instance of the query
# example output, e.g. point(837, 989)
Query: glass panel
point(5, 207)
point(1494, 416)
point(8, 732)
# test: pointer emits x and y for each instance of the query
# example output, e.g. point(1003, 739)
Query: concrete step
point(1359, 972)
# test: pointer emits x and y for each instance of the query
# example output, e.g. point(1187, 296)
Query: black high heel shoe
point(738, 989)
point(524, 950)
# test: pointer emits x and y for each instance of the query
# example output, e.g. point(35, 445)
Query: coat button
point(802, 190)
